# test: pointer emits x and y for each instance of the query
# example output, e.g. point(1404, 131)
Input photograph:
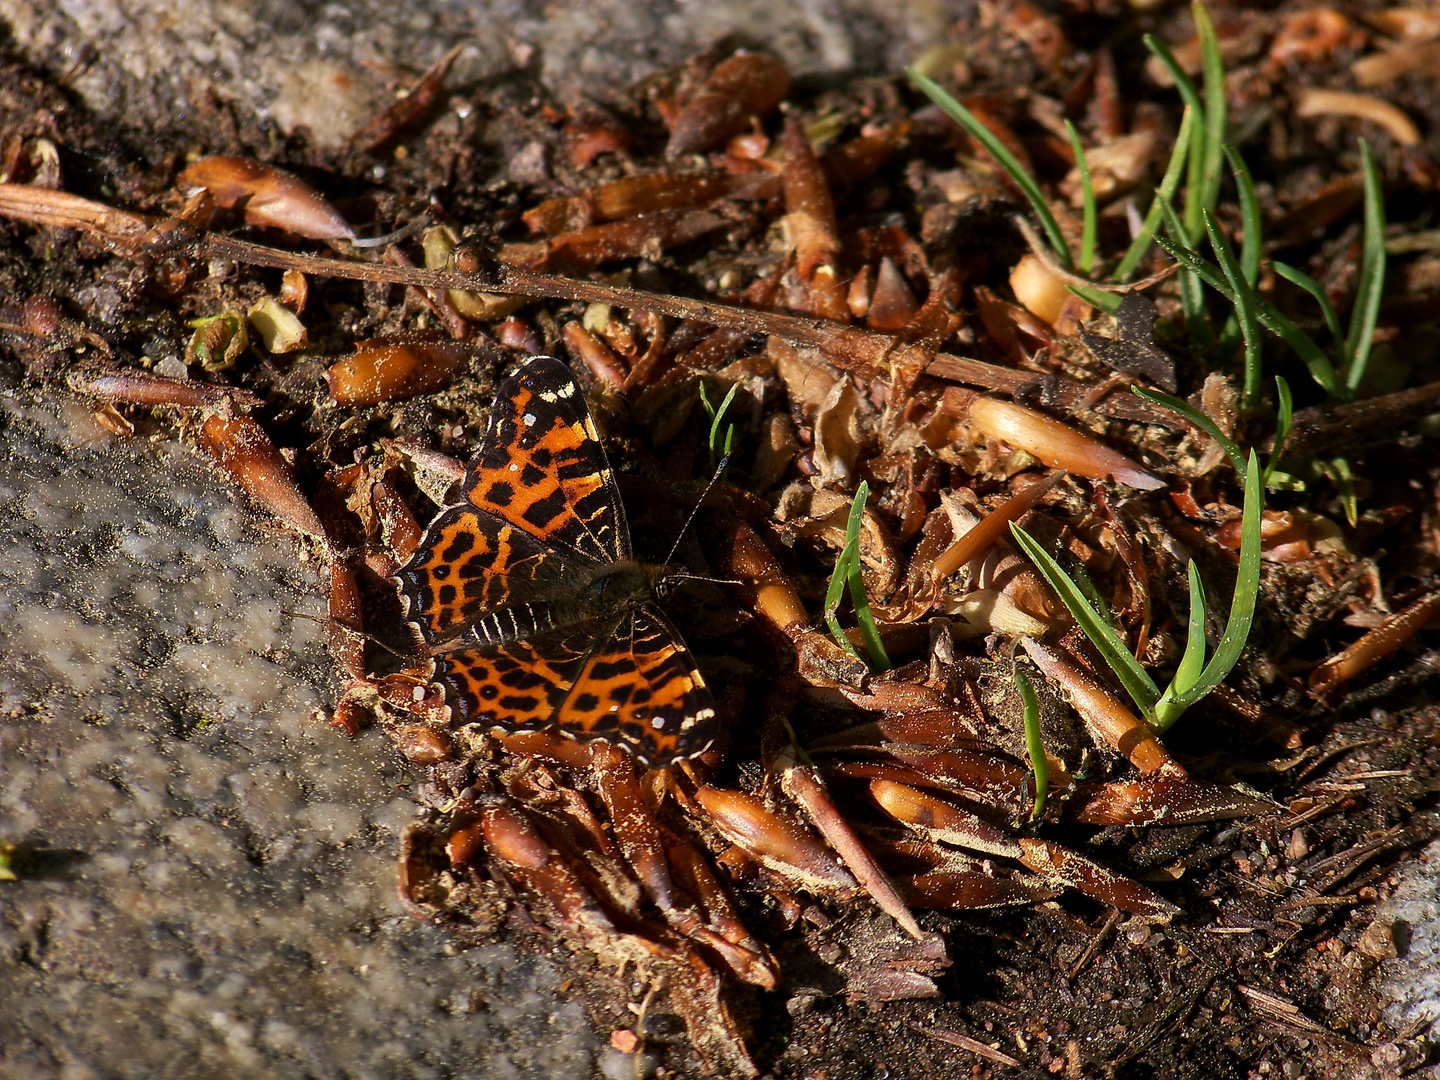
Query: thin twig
point(975, 1046)
point(1095, 943)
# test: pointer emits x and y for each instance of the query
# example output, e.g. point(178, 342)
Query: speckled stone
point(1410, 983)
point(329, 66)
point(211, 885)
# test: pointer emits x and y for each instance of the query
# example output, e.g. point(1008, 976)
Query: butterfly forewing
point(473, 565)
point(542, 468)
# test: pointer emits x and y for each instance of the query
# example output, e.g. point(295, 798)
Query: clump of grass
point(1198, 156)
point(1194, 678)
point(1234, 279)
point(847, 572)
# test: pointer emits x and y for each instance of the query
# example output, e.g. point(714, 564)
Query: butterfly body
point(528, 598)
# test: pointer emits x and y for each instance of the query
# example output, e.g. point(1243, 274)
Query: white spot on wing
point(528, 419)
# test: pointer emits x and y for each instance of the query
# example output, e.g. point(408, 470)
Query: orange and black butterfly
point(529, 598)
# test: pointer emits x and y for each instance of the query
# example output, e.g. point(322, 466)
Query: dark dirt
point(1270, 968)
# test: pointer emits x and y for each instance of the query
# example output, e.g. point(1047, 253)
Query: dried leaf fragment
point(276, 326)
point(1314, 101)
point(270, 197)
point(747, 84)
point(391, 369)
point(241, 446)
point(1057, 444)
point(218, 341)
point(1374, 646)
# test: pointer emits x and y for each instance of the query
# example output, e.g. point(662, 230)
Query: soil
point(1274, 965)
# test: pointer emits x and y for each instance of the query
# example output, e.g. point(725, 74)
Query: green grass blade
point(1193, 662)
point(717, 417)
point(1165, 193)
point(1249, 215)
point(1269, 315)
point(1192, 297)
point(1195, 165)
point(1134, 678)
point(869, 632)
point(1338, 470)
point(1250, 244)
point(1242, 607)
point(838, 633)
point(981, 134)
point(1199, 419)
point(1213, 68)
point(1313, 287)
point(839, 577)
point(1284, 412)
point(1372, 276)
point(1244, 306)
point(1087, 192)
point(1034, 745)
point(847, 573)
point(1107, 302)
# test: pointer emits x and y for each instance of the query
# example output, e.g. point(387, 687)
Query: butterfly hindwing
point(542, 468)
point(518, 685)
point(640, 689)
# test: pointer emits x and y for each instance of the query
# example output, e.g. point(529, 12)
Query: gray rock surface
point(1410, 983)
point(209, 885)
point(328, 66)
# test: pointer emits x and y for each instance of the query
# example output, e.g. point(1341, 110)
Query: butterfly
point(528, 598)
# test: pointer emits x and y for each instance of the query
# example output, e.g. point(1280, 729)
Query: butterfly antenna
point(719, 469)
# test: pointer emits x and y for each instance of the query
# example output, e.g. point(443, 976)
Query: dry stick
point(975, 1046)
point(845, 346)
point(1095, 942)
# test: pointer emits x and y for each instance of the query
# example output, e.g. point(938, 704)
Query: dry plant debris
point(830, 297)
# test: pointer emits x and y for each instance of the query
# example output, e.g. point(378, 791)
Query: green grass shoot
point(1268, 315)
point(847, 573)
point(1034, 746)
point(1372, 276)
point(1090, 215)
point(1284, 413)
point(717, 417)
point(1245, 303)
point(1338, 470)
point(1007, 161)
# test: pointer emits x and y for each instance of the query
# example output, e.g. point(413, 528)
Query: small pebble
point(1137, 932)
point(624, 1040)
point(1378, 941)
point(1298, 847)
